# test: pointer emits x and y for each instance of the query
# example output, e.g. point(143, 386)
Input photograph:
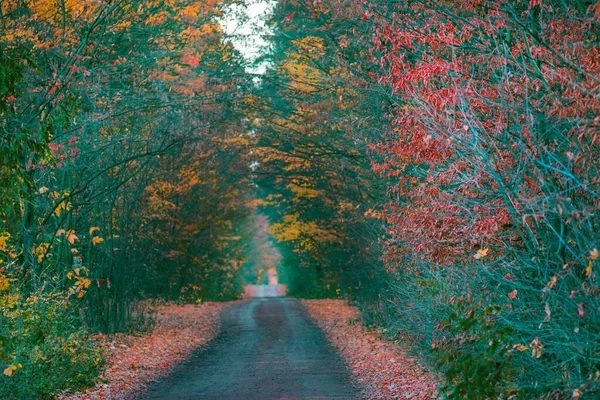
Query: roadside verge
point(380, 367)
point(132, 361)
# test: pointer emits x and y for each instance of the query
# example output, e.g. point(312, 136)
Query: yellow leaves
point(309, 44)
point(158, 18)
point(593, 257)
point(81, 282)
point(303, 191)
point(588, 270)
point(121, 26)
point(41, 251)
point(76, 272)
point(4, 236)
point(481, 253)
point(292, 229)
point(43, 190)
point(189, 14)
point(230, 238)
point(96, 239)
point(4, 282)
point(9, 370)
point(370, 213)
point(259, 203)
point(63, 205)
point(304, 78)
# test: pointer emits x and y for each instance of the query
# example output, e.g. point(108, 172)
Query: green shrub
point(44, 349)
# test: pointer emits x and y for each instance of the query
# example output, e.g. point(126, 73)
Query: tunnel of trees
point(437, 163)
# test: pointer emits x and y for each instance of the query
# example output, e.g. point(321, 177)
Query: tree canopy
point(434, 162)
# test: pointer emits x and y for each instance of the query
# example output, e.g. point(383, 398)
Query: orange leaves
point(481, 253)
point(69, 235)
point(536, 348)
point(96, 240)
point(41, 251)
point(9, 370)
point(158, 18)
point(512, 294)
point(189, 14)
point(520, 347)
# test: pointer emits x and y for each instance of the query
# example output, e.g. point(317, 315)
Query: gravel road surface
point(267, 349)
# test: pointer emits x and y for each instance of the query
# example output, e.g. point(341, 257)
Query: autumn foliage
point(118, 128)
point(435, 162)
point(481, 123)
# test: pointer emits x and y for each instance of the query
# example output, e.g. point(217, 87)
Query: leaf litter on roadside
point(134, 361)
point(380, 366)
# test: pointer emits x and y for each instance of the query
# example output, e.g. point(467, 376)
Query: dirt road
point(267, 349)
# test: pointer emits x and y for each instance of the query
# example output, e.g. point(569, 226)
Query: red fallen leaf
point(11, 98)
point(580, 310)
point(512, 294)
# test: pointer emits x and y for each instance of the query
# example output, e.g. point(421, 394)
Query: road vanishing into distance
point(267, 349)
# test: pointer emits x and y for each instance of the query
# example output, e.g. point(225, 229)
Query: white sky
point(247, 30)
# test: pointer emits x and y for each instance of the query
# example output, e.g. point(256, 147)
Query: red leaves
point(289, 17)
point(381, 367)
point(192, 61)
point(512, 294)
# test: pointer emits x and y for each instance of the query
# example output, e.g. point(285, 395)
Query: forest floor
point(382, 368)
point(132, 361)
